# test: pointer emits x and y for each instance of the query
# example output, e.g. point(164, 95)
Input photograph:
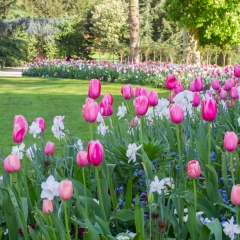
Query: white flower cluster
point(230, 229)
point(122, 110)
point(161, 186)
point(102, 128)
point(35, 129)
point(58, 127)
point(19, 150)
point(132, 151)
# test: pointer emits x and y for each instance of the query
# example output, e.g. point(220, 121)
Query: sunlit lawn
point(46, 98)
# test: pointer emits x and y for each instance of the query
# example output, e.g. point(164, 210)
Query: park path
point(12, 72)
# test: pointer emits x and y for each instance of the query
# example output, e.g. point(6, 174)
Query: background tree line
point(176, 31)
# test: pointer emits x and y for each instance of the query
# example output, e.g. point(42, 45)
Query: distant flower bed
point(150, 73)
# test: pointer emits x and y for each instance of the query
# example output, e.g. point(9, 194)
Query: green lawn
point(46, 98)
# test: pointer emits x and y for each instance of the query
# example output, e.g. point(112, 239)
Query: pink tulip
point(229, 84)
point(47, 206)
point(109, 97)
point(235, 193)
point(82, 158)
point(49, 148)
point(230, 141)
point(20, 127)
point(237, 70)
point(171, 81)
point(234, 93)
point(153, 98)
point(178, 88)
point(11, 163)
point(193, 169)
point(196, 99)
point(65, 189)
point(197, 85)
point(215, 84)
point(229, 103)
point(106, 108)
point(139, 91)
point(41, 123)
point(133, 122)
point(127, 91)
point(95, 152)
point(209, 109)
point(94, 89)
point(90, 110)
point(176, 113)
point(140, 104)
point(223, 94)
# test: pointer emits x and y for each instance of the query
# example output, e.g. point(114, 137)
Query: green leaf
point(205, 233)
point(91, 231)
point(123, 215)
point(103, 226)
point(25, 208)
point(216, 228)
point(191, 222)
point(129, 194)
point(170, 135)
point(139, 217)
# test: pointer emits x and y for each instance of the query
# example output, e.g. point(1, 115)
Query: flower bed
point(168, 170)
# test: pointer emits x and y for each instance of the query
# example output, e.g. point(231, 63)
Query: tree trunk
point(134, 24)
point(191, 44)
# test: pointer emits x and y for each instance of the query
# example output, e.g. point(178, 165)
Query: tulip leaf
point(123, 215)
point(103, 226)
point(191, 222)
point(139, 217)
point(170, 135)
point(216, 228)
point(91, 231)
point(129, 194)
point(25, 208)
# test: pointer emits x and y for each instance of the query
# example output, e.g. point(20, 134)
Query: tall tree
point(205, 22)
point(134, 28)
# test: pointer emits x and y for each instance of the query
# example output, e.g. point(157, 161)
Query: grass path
point(46, 98)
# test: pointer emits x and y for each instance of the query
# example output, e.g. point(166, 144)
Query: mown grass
point(46, 98)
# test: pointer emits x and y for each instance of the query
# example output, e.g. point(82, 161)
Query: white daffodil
point(163, 185)
point(49, 188)
point(122, 237)
point(231, 229)
point(122, 110)
point(102, 129)
point(99, 118)
point(18, 150)
point(30, 151)
point(131, 152)
point(34, 129)
point(79, 145)
point(57, 132)
point(58, 122)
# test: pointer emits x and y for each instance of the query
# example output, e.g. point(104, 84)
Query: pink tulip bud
point(153, 98)
point(196, 99)
point(109, 97)
point(209, 109)
point(229, 84)
point(170, 97)
point(230, 141)
point(215, 84)
point(41, 123)
point(127, 91)
point(20, 127)
point(94, 89)
point(223, 94)
point(171, 81)
point(106, 108)
point(49, 148)
point(140, 104)
point(90, 110)
point(178, 88)
point(133, 122)
point(176, 113)
point(82, 158)
point(234, 93)
point(237, 70)
point(65, 189)
point(193, 169)
point(95, 152)
point(47, 206)
point(11, 163)
point(197, 85)
point(235, 193)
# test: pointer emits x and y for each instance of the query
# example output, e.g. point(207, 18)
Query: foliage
point(5, 7)
point(217, 21)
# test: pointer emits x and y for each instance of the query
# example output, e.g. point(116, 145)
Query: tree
point(109, 20)
point(134, 28)
point(205, 22)
point(5, 7)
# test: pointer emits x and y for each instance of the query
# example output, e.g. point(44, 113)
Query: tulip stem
point(10, 181)
point(195, 195)
point(141, 129)
point(182, 179)
point(209, 143)
point(85, 189)
point(231, 165)
point(100, 194)
point(66, 219)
